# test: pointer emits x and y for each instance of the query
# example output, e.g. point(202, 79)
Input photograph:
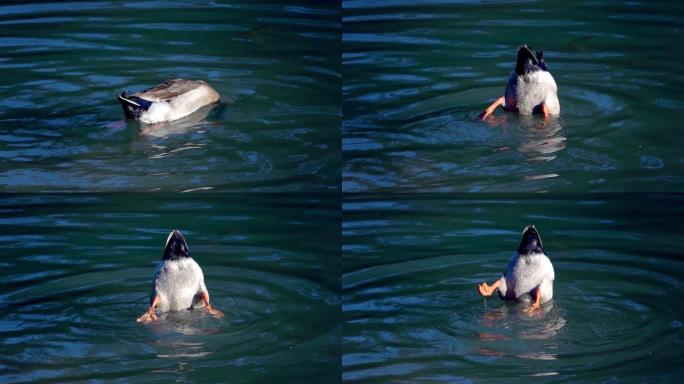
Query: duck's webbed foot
point(213, 311)
point(537, 302)
point(491, 108)
point(487, 290)
point(149, 316)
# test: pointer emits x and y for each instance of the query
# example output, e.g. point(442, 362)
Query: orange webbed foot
point(214, 312)
point(148, 316)
point(532, 309)
point(491, 108)
point(485, 289)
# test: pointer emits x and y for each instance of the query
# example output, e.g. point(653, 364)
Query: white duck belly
point(526, 272)
point(525, 92)
point(179, 284)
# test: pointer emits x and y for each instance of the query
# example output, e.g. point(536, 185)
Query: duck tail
point(540, 60)
point(528, 61)
point(133, 106)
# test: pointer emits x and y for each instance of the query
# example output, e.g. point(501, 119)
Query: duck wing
point(169, 89)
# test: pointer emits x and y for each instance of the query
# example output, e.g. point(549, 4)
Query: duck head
point(176, 247)
point(530, 242)
point(528, 62)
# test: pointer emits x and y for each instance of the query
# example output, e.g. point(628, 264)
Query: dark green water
point(81, 266)
point(344, 200)
point(276, 67)
point(415, 76)
point(411, 312)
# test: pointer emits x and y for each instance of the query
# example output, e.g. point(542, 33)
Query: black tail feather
point(530, 242)
point(133, 106)
point(527, 61)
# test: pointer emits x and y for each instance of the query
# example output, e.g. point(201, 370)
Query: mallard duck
point(178, 282)
point(170, 100)
point(529, 272)
point(531, 88)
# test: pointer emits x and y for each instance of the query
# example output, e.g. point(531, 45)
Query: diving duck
point(531, 88)
point(178, 282)
point(170, 100)
point(529, 272)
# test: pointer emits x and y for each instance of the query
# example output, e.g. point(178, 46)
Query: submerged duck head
point(176, 246)
point(530, 242)
point(528, 62)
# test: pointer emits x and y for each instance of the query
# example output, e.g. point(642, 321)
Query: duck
point(178, 282)
point(529, 273)
point(531, 88)
point(168, 101)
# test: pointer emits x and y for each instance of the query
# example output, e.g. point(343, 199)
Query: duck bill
point(530, 242)
point(176, 246)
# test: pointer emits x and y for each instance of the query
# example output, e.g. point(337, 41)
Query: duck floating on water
point(531, 88)
point(529, 272)
point(170, 100)
point(178, 282)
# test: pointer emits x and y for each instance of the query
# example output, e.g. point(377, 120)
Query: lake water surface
point(416, 75)
point(275, 65)
point(331, 218)
point(77, 271)
point(411, 312)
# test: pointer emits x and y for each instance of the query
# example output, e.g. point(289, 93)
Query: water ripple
point(64, 66)
point(411, 312)
point(410, 113)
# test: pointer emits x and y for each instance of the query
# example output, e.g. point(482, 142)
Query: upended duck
point(531, 88)
point(178, 282)
point(170, 100)
point(529, 272)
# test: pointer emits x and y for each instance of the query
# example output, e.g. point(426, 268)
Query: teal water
point(411, 312)
point(342, 207)
point(275, 65)
point(416, 74)
point(77, 271)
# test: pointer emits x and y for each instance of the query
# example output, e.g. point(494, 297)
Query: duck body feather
point(525, 273)
point(524, 93)
point(529, 269)
point(168, 101)
point(179, 285)
point(530, 85)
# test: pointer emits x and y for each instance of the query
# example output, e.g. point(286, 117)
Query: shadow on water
point(504, 331)
point(539, 140)
point(181, 334)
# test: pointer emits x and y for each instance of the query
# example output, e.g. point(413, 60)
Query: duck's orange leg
point(537, 302)
point(215, 312)
point(151, 314)
point(487, 290)
point(544, 110)
point(491, 108)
